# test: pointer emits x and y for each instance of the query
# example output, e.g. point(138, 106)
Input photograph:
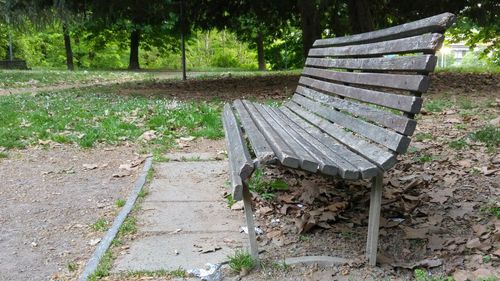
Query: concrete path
point(183, 216)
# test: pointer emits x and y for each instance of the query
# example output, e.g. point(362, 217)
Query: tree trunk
point(360, 16)
point(260, 52)
point(134, 50)
point(310, 23)
point(67, 47)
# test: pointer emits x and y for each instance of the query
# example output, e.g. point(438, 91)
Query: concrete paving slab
point(158, 252)
point(172, 190)
point(189, 216)
point(196, 172)
point(187, 196)
point(194, 156)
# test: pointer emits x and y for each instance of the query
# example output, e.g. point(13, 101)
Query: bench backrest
point(371, 83)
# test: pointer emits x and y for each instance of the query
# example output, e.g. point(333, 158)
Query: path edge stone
point(103, 246)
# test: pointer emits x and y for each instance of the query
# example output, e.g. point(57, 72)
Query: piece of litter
point(212, 273)
point(176, 252)
point(176, 231)
point(258, 230)
point(94, 242)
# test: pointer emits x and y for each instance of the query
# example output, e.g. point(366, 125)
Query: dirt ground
point(50, 197)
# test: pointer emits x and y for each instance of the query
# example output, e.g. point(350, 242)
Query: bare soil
point(50, 198)
point(279, 87)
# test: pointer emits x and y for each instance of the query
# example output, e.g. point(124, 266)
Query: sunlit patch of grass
point(489, 135)
point(437, 105)
point(96, 115)
point(423, 136)
point(241, 260)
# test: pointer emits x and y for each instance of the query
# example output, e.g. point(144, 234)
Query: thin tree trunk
point(67, 46)
point(134, 50)
point(260, 52)
point(310, 23)
point(360, 16)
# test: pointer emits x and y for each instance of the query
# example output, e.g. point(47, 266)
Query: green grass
point(426, 158)
point(104, 267)
point(489, 135)
point(470, 69)
point(179, 273)
point(491, 209)
point(241, 260)
point(120, 203)
point(437, 105)
point(46, 77)
point(458, 144)
point(92, 116)
point(4, 155)
point(422, 275)
point(100, 225)
point(423, 136)
point(129, 226)
point(266, 189)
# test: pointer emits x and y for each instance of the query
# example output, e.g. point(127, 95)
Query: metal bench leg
point(374, 219)
point(247, 202)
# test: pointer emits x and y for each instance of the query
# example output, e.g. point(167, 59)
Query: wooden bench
point(351, 115)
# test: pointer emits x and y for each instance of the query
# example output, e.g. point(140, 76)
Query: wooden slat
point(420, 63)
point(398, 123)
point(387, 138)
point(260, 146)
point(427, 43)
point(416, 83)
point(347, 160)
point(408, 104)
point(307, 161)
point(326, 166)
point(284, 153)
point(240, 162)
point(438, 23)
point(375, 154)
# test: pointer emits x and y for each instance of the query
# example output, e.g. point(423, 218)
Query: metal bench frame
point(341, 122)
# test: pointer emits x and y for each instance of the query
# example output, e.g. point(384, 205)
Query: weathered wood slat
point(284, 153)
point(420, 63)
point(348, 161)
point(307, 161)
point(438, 23)
point(326, 166)
point(387, 138)
point(240, 162)
point(377, 155)
point(345, 169)
point(426, 43)
point(408, 104)
point(416, 83)
point(260, 146)
point(398, 123)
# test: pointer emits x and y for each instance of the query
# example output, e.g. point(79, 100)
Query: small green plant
point(423, 136)
point(120, 202)
point(426, 158)
point(458, 144)
point(143, 193)
point(266, 189)
point(129, 226)
point(491, 209)
point(437, 105)
point(486, 259)
point(241, 260)
point(460, 126)
point(230, 200)
point(72, 266)
point(150, 175)
point(303, 238)
point(103, 267)
point(4, 155)
point(422, 275)
point(100, 225)
point(489, 135)
point(179, 272)
point(466, 104)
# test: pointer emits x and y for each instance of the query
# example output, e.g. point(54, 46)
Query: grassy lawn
point(46, 77)
point(96, 115)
